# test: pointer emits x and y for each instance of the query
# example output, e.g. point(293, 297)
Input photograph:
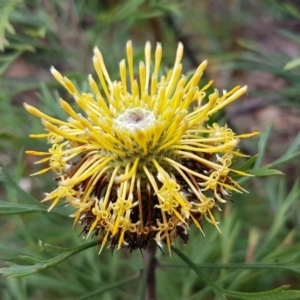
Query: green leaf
point(291, 153)
point(217, 290)
point(32, 205)
point(51, 248)
point(265, 171)
point(245, 167)
point(291, 9)
point(280, 293)
point(294, 63)
point(9, 208)
point(7, 60)
point(283, 209)
point(268, 170)
point(6, 8)
point(15, 270)
point(108, 287)
point(7, 179)
point(248, 44)
point(262, 144)
point(293, 36)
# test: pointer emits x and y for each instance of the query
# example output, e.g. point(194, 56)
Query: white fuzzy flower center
point(134, 119)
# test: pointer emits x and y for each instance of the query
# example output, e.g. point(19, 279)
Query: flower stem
point(148, 289)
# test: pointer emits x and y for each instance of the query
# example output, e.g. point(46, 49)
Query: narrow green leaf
point(50, 100)
point(6, 8)
point(108, 287)
point(293, 36)
point(280, 293)
point(51, 248)
point(15, 270)
point(285, 203)
point(33, 205)
point(217, 290)
point(261, 172)
point(7, 179)
point(290, 154)
point(295, 145)
point(7, 60)
point(262, 144)
point(286, 159)
point(126, 10)
point(245, 167)
point(292, 64)
point(9, 208)
point(295, 267)
point(291, 9)
point(248, 44)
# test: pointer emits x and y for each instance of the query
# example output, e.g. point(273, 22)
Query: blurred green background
point(250, 42)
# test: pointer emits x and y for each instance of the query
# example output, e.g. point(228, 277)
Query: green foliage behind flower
point(258, 248)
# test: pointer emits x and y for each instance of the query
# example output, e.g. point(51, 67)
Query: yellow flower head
point(140, 162)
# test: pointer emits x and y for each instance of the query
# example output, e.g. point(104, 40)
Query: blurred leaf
point(10, 252)
point(216, 289)
point(248, 164)
point(37, 32)
point(262, 145)
point(295, 63)
point(9, 208)
point(108, 287)
point(248, 44)
point(15, 270)
point(265, 171)
point(293, 36)
point(50, 100)
point(6, 8)
point(33, 205)
point(282, 203)
point(280, 293)
point(47, 248)
point(7, 60)
point(6, 178)
point(285, 200)
point(124, 10)
point(291, 9)
point(290, 154)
